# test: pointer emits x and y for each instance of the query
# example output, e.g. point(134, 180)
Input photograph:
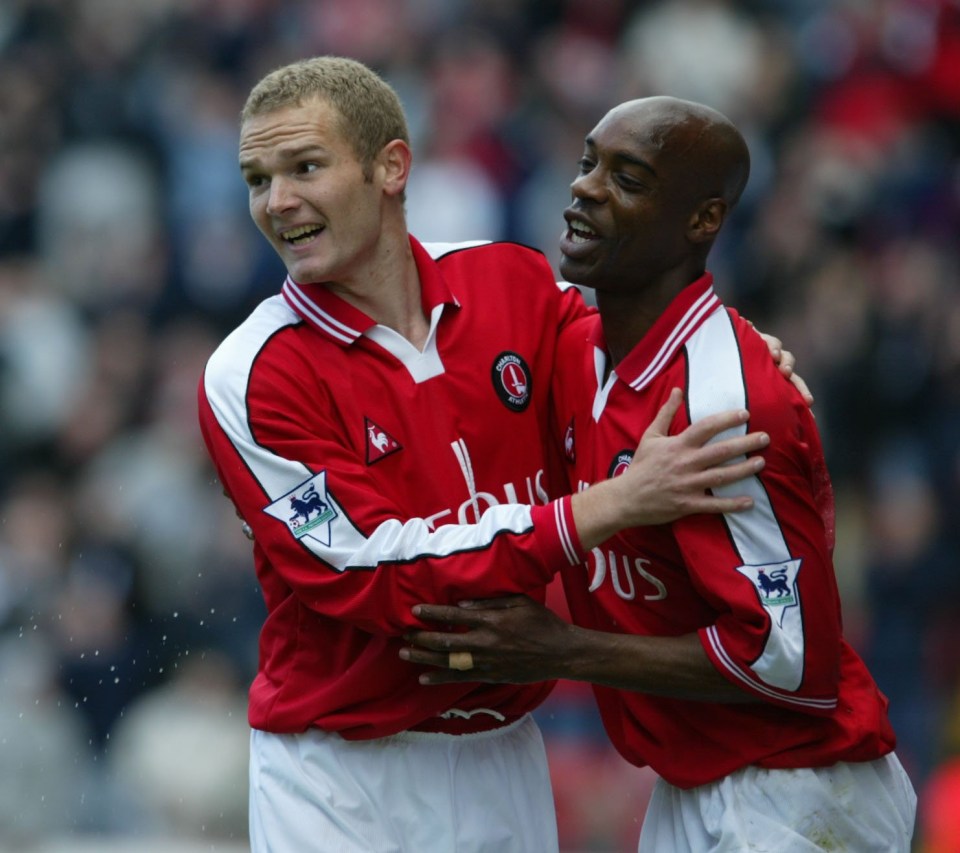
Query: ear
point(707, 220)
point(395, 160)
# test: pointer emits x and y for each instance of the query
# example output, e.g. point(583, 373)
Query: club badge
point(620, 463)
point(512, 381)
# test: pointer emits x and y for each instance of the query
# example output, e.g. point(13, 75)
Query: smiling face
point(309, 194)
point(628, 215)
point(656, 178)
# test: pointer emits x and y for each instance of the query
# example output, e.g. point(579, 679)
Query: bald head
point(709, 153)
point(658, 177)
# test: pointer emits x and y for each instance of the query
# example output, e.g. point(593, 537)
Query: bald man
point(714, 643)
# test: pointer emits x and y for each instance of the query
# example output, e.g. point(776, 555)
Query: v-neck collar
point(683, 316)
point(343, 323)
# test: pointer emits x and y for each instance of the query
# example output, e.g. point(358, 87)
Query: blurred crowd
point(128, 605)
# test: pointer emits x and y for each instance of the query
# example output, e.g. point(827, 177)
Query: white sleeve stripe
point(758, 687)
point(565, 539)
point(715, 382)
point(396, 542)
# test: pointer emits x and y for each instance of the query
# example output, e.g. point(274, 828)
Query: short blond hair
point(370, 111)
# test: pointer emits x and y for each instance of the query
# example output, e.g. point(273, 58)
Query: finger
point(774, 344)
point(424, 656)
point(448, 676)
point(727, 474)
point(801, 386)
point(787, 362)
point(727, 449)
point(668, 411)
point(440, 641)
point(503, 603)
point(443, 674)
point(443, 613)
point(714, 505)
point(701, 431)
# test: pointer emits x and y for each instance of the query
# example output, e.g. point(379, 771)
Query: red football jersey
point(758, 586)
point(376, 476)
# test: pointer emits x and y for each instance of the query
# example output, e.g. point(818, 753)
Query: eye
point(254, 180)
point(307, 167)
point(585, 164)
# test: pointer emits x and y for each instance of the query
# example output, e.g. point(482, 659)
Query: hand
point(512, 639)
point(670, 475)
point(786, 362)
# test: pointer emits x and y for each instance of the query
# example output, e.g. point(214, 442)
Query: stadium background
point(128, 611)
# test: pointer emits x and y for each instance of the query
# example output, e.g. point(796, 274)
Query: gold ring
point(460, 660)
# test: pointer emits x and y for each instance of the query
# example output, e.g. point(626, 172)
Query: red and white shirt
point(376, 476)
point(757, 586)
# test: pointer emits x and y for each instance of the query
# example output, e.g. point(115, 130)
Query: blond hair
point(369, 109)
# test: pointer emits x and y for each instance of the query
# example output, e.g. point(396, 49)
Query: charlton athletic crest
point(620, 463)
point(512, 381)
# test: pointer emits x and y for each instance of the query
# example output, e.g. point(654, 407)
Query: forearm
point(597, 514)
point(676, 667)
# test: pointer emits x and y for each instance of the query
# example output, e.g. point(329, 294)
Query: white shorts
point(413, 792)
point(866, 807)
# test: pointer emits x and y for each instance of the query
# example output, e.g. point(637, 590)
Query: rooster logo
point(380, 443)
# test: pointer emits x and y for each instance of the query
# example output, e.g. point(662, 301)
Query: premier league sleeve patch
point(512, 380)
point(307, 510)
point(776, 586)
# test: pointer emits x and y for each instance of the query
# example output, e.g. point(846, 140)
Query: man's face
point(308, 193)
point(627, 222)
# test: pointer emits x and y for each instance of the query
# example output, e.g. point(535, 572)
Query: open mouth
point(580, 233)
point(301, 234)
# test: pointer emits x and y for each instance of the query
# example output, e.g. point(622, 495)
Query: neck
point(388, 289)
point(627, 318)
point(628, 313)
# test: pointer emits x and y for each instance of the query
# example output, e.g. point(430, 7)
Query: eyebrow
point(285, 154)
point(629, 157)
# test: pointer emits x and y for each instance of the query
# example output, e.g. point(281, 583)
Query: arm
point(763, 646)
point(777, 634)
point(754, 651)
point(518, 640)
point(370, 562)
point(768, 572)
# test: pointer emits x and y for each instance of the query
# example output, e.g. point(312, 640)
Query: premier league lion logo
point(776, 586)
point(304, 506)
point(307, 510)
point(775, 582)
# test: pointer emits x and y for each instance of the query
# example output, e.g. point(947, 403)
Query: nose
point(281, 197)
point(589, 186)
